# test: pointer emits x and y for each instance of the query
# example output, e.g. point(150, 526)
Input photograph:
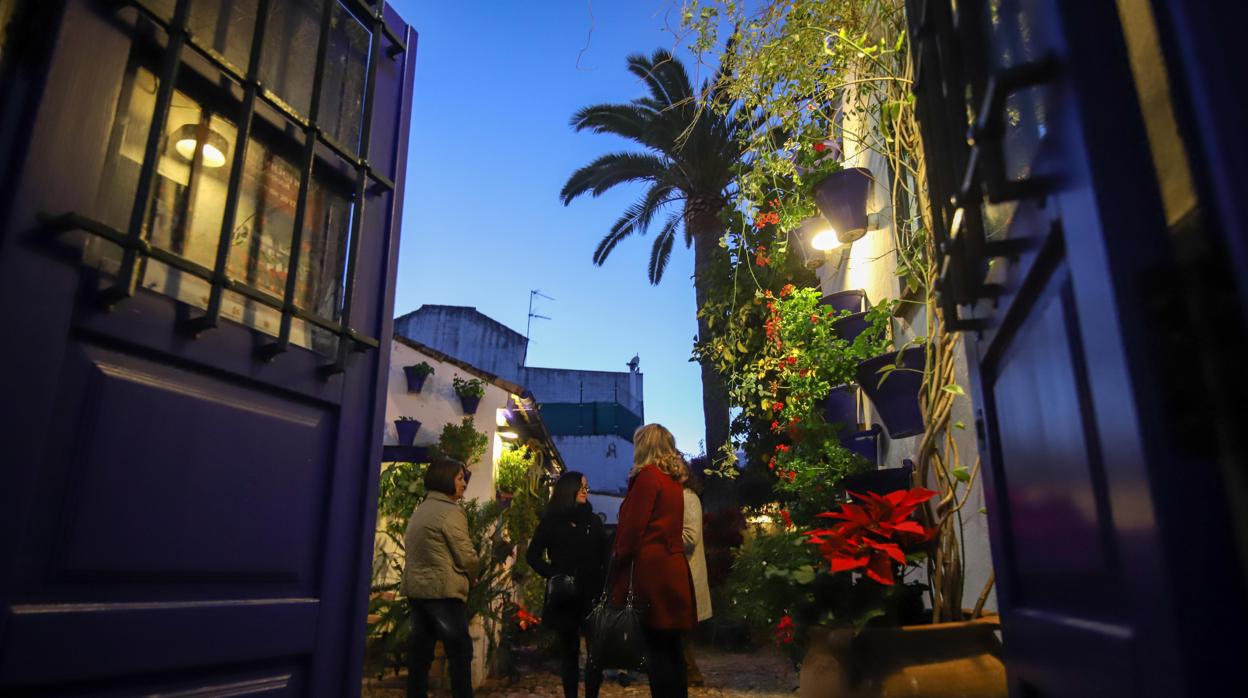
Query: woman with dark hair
point(570, 541)
point(439, 566)
point(649, 540)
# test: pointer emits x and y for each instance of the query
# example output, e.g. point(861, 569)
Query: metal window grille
point(366, 179)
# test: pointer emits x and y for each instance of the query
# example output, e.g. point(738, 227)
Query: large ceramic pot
point(941, 660)
point(853, 300)
point(896, 399)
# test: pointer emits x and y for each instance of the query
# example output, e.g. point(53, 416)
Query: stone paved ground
point(763, 673)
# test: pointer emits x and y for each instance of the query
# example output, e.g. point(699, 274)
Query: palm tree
point(690, 157)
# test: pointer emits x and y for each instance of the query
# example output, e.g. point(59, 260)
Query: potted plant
point(892, 381)
point(470, 392)
point(512, 472)
point(870, 640)
point(406, 428)
point(416, 375)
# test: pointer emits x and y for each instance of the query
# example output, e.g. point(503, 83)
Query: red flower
point(771, 464)
point(870, 534)
point(782, 448)
point(774, 203)
point(785, 630)
point(820, 147)
point(765, 219)
point(814, 318)
point(787, 289)
point(786, 518)
point(526, 620)
point(775, 426)
point(790, 360)
point(777, 406)
point(792, 475)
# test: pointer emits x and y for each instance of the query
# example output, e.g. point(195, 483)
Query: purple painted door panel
point(178, 510)
point(1103, 510)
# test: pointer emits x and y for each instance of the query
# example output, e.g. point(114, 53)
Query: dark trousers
point(445, 620)
point(569, 665)
point(665, 663)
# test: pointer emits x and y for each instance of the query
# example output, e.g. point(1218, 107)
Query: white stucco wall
point(437, 404)
point(605, 467)
point(870, 264)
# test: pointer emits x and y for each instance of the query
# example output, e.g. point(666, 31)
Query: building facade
point(591, 415)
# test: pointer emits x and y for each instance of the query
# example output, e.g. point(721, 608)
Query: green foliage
point(770, 576)
point(513, 468)
point(401, 489)
point(471, 387)
point(462, 441)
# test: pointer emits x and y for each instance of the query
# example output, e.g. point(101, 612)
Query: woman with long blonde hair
point(649, 540)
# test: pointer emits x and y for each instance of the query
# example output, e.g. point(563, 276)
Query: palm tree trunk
point(705, 229)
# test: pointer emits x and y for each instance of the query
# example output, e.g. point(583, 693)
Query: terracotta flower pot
point(942, 660)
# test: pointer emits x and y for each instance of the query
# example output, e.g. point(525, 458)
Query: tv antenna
point(529, 326)
point(532, 294)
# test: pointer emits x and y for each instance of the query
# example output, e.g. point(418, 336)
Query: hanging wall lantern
point(842, 199)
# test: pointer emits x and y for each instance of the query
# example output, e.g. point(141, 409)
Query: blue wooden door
point(1068, 263)
point(197, 270)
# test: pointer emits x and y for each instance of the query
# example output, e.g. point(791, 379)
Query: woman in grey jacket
point(440, 565)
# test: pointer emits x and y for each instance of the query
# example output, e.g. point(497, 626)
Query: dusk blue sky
point(496, 84)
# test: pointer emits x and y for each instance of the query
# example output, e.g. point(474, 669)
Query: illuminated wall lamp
point(814, 239)
point(212, 152)
point(509, 435)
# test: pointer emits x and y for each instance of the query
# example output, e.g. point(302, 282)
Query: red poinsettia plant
point(874, 533)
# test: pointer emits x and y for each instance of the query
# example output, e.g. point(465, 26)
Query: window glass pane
point(346, 70)
point(184, 214)
point(188, 193)
point(260, 244)
point(289, 58)
point(321, 271)
point(225, 27)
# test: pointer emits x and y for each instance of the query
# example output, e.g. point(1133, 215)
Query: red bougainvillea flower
point(785, 629)
point(775, 426)
point(814, 318)
point(820, 147)
point(774, 203)
point(792, 475)
point(786, 518)
point(777, 406)
point(790, 360)
point(787, 289)
point(771, 464)
point(782, 448)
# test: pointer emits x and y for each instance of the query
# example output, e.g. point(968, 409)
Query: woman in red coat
point(648, 537)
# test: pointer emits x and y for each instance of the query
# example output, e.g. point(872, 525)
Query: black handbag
point(562, 606)
point(613, 635)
